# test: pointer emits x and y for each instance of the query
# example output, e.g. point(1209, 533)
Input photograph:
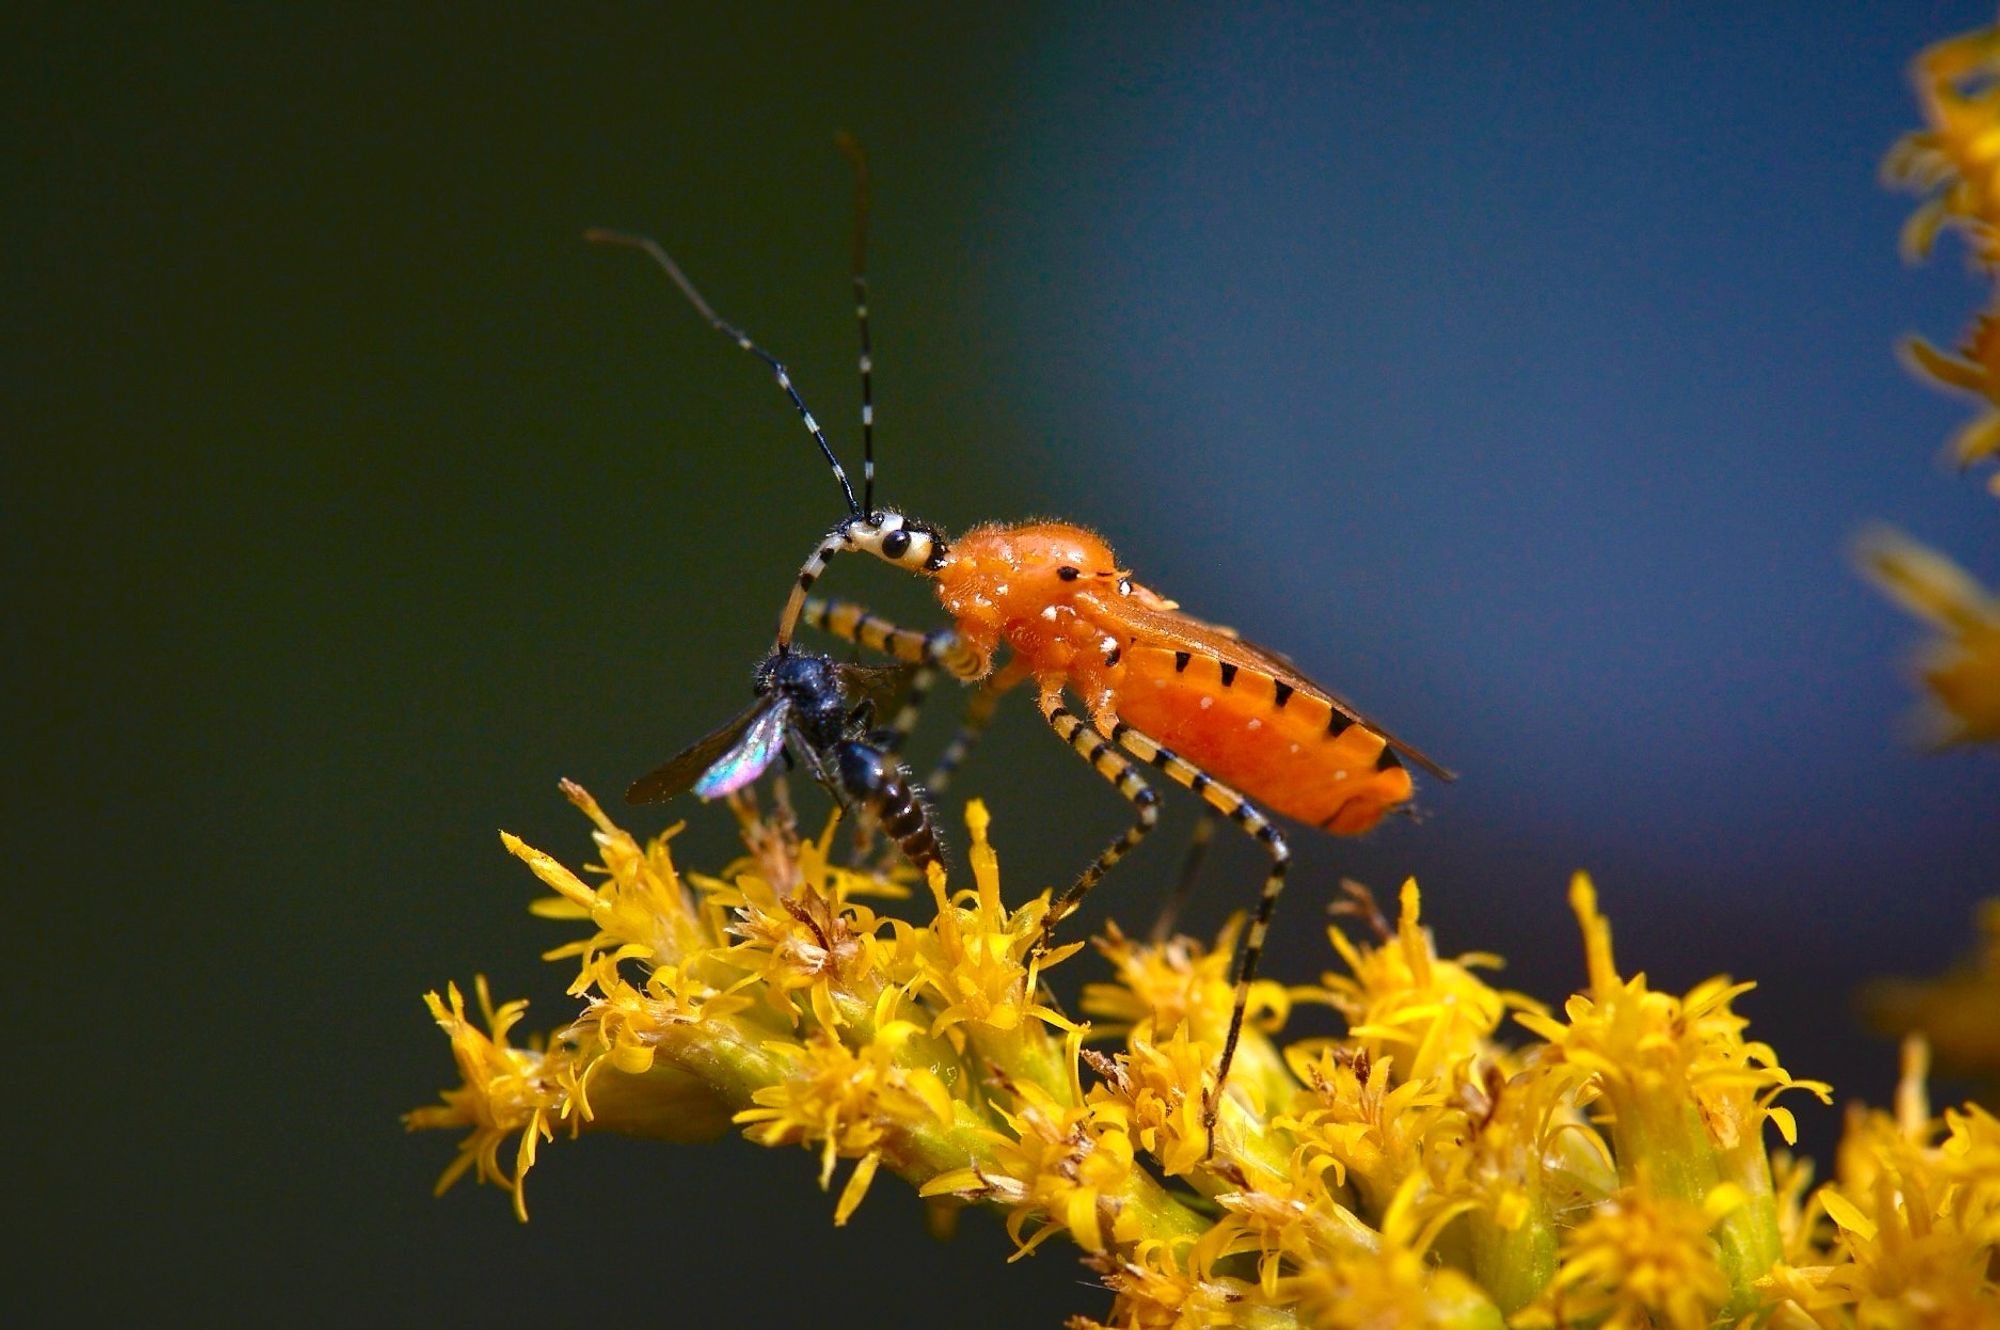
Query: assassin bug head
point(889, 536)
point(894, 538)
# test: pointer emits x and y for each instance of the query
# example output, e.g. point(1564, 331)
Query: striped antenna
point(851, 146)
point(651, 247)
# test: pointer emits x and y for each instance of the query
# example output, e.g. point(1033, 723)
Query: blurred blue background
point(1525, 375)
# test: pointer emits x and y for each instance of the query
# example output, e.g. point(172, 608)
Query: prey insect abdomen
point(877, 782)
point(1285, 747)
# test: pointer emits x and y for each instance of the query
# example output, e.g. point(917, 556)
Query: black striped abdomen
point(1285, 748)
point(881, 787)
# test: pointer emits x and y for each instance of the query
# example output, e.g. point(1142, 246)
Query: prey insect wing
point(746, 761)
point(1179, 631)
point(720, 751)
point(880, 687)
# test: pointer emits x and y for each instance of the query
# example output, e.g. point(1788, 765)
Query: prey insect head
point(810, 686)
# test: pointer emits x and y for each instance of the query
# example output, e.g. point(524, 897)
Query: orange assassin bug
point(1228, 720)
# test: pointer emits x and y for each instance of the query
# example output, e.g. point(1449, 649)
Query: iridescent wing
point(756, 750)
point(719, 763)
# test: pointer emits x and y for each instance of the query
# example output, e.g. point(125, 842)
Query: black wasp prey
point(803, 711)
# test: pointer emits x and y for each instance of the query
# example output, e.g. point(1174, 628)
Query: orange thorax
point(1008, 585)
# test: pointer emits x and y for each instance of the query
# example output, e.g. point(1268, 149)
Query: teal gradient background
point(1524, 374)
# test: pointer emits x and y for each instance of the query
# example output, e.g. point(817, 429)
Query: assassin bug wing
point(1176, 631)
point(720, 752)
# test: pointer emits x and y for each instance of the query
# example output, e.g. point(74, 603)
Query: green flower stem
point(1457, 1303)
point(1513, 1265)
point(1663, 1137)
point(727, 1054)
point(1751, 1231)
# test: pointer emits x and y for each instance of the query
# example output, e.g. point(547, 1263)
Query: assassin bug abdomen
point(821, 711)
point(1228, 720)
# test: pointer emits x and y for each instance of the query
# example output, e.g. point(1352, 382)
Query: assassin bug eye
point(896, 544)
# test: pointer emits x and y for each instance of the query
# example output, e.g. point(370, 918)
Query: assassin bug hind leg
point(1190, 870)
point(1258, 827)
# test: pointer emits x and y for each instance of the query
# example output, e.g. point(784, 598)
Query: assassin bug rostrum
point(820, 711)
point(1229, 720)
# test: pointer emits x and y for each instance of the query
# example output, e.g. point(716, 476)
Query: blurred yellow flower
point(1960, 667)
point(1955, 162)
point(1957, 1013)
point(1641, 1260)
point(1955, 158)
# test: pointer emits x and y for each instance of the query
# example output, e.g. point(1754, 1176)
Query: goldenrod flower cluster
point(1460, 1156)
point(1955, 162)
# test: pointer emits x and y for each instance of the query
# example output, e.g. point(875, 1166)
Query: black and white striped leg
point(978, 715)
point(1239, 810)
point(1102, 754)
point(852, 622)
point(1177, 899)
point(891, 737)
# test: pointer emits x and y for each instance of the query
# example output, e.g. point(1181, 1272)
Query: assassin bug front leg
point(1226, 719)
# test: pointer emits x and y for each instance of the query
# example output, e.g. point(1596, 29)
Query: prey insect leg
point(1114, 767)
point(1254, 824)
